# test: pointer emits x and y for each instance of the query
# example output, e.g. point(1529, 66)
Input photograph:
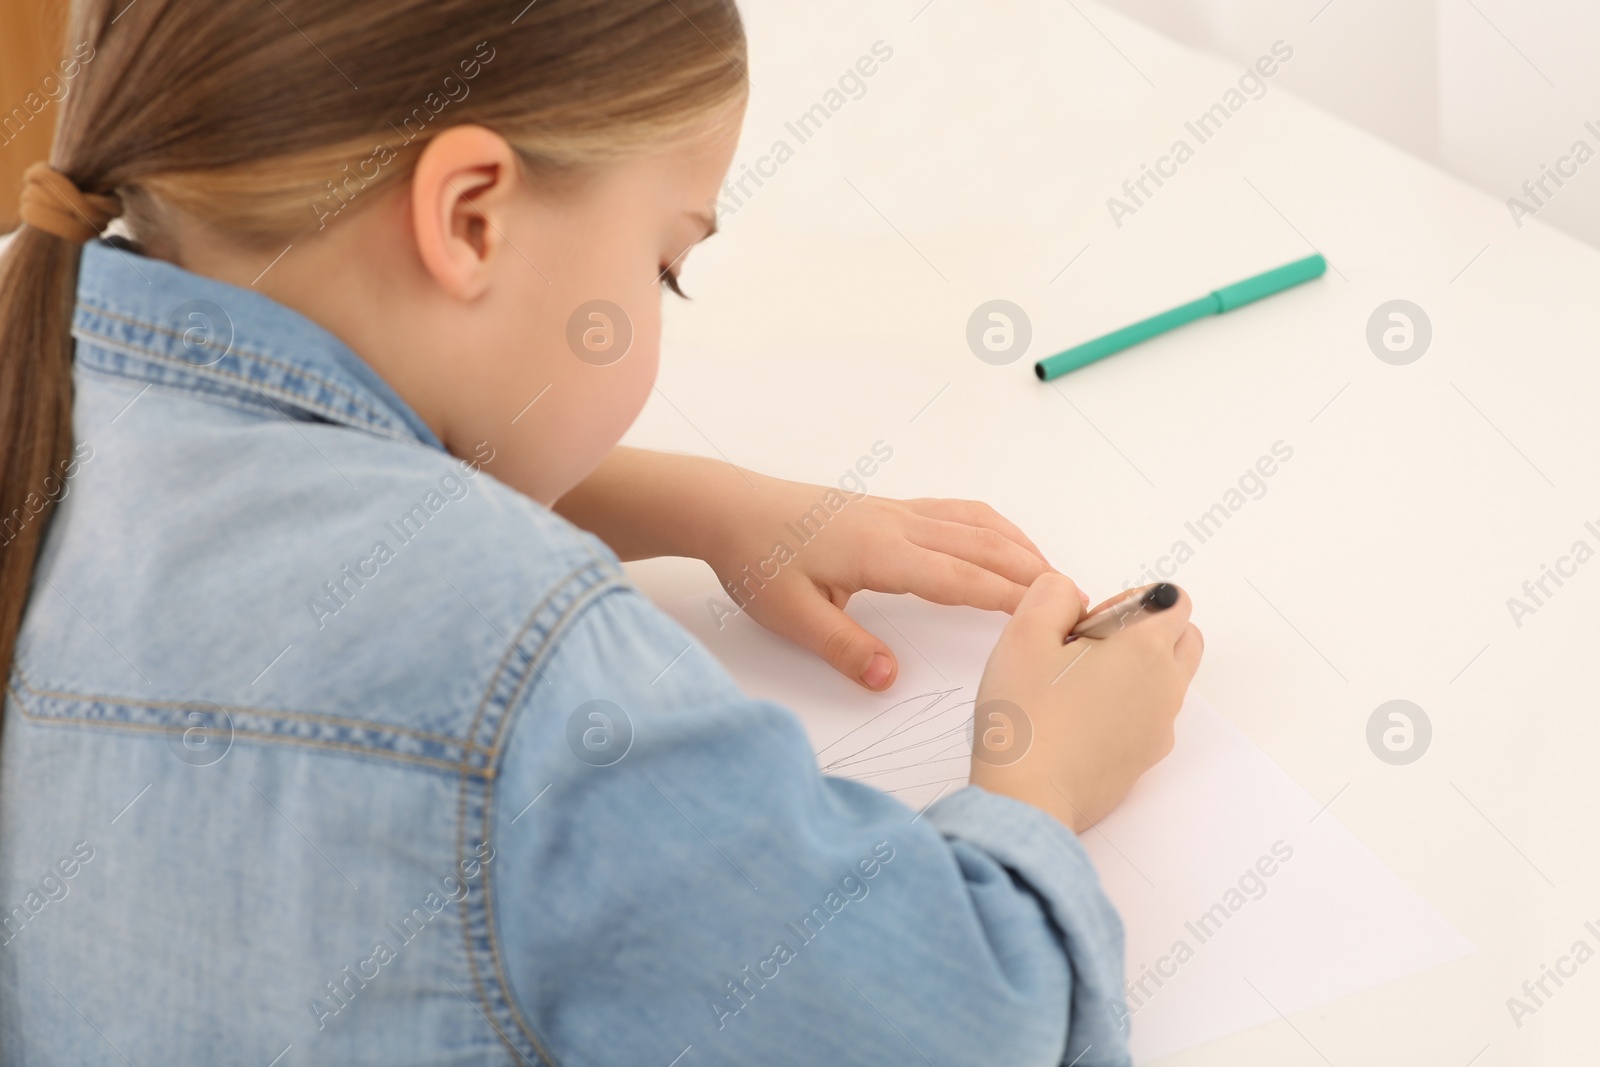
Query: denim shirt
point(322, 746)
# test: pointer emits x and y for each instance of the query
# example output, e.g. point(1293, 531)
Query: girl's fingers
point(982, 545)
point(804, 614)
point(1190, 647)
point(1048, 610)
point(1174, 621)
point(973, 513)
point(941, 578)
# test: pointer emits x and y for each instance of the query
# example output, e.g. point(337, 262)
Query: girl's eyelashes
point(669, 278)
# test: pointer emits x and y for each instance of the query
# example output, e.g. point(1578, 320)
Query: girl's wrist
point(645, 504)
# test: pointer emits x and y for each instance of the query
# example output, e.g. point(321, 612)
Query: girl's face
point(558, 350)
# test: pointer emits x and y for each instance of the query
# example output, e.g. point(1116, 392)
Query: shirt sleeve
point(672, 872)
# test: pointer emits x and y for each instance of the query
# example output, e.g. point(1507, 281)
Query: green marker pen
point(1214, 303)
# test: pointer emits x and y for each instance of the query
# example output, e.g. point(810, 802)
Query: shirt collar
point(152, 321)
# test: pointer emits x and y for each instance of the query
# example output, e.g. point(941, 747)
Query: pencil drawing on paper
point(917, 748)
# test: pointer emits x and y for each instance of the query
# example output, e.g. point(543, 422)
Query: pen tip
point(1161, 596)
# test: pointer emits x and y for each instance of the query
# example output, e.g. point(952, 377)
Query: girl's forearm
point(645, 504)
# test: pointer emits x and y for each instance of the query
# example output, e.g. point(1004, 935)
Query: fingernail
point(1083, 597)
point(877, 671)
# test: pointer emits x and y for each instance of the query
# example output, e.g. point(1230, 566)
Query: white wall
point(1502, 120)
point(1487, 89)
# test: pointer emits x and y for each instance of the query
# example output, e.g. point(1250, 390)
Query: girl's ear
point(461, 194)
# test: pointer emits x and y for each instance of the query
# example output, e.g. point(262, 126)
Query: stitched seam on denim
point(241, 350)
point(572, 578)
point(231, 398)
point(588, 583)
point(216, 376)
point(593, 581)
point(311, 717)
point(585, 599)
point(477, 924)
point(453, 767)
point(244, 351)
point(292, 398)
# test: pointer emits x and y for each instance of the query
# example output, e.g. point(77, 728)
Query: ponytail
point(38, 289)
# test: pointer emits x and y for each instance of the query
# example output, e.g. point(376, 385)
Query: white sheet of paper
point(1214, 944)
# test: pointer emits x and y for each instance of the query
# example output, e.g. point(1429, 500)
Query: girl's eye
point(669, 278)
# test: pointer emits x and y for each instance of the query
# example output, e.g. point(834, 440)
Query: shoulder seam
point(480, 793)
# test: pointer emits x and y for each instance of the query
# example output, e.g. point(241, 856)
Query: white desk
point(832, 313)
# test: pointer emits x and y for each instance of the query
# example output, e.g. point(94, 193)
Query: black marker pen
point(1125, 612)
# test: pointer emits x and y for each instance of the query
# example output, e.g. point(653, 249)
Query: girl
point(334, 731)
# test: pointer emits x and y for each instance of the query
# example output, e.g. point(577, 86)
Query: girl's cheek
point(646, 354)
point(642, 379)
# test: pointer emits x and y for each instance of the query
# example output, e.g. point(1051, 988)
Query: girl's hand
point(792, 554)
point(793, 564)
point(1070, 728)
